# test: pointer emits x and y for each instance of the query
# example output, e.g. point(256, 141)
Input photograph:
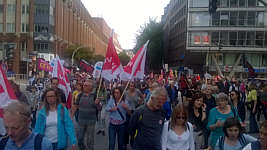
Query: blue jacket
point(64, 129)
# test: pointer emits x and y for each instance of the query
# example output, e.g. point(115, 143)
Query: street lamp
point(72, 57)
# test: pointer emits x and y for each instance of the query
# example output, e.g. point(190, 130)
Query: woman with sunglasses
point(238, 105)
point(233, 138)
point(54, 122)
point(217, 116)
point(178, 132)
point(198, 118)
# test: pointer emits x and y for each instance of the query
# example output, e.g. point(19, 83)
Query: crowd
point(151, 114)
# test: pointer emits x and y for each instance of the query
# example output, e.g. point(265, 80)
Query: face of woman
point(180, 119)
point(233, 95)
point(233, 132)
point(198, 102)
point(117, 94)
point(222, 103)
point(51, 97)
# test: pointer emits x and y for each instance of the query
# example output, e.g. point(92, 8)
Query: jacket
point(65, 128)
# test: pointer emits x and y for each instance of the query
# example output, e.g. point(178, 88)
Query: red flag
point(63, 82)
point(136, 67)
point(112, 65)
point(6, 92)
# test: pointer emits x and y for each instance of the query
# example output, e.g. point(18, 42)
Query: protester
point(147, 122)
point(217, 116)
point(118, 108)
point(88, 107)
point(233, 137)
point(54, 122)
point(198, 118)
point(172, 93)
point(238, 105)
point(252, 106)
point(17, 119)
point(20, 95)
point(261, 144)
point(263, 100)
point(178, 133)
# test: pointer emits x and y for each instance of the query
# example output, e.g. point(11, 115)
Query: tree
point(124, 58)
point(152, 31)
point(85, 53)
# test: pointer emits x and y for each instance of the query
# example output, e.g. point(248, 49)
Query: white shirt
point(51, 127)
point(171, 141)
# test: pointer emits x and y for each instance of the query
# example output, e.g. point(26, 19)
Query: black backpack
point(242, 140)
point(37, 142)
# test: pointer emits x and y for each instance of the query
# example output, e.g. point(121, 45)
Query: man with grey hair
point(17, 120)
point(147, 121)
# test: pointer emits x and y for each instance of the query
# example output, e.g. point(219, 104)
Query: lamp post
point(72, 57)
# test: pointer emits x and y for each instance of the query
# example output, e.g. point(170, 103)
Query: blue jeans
point(114, 130)
point(54, 145)
point(253, 126)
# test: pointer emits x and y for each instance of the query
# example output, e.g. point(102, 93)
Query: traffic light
point(212, 6)
point(10, 51)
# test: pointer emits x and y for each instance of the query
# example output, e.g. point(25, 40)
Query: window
point(224, 38)
point(214, 38)
point(233, 38)
point(265, 41)
point(250, 38)
point(200, 19)
point(224, 3)
point(224, 18)
point(22, 27)
point(242, 3)
point(241, 38)
point(11, 8)
point(199, 3)
point(199, 38)
point(233, 18)
point(1, 27)
point(28, 9)
point(233, 3)
point(10, 27)
point(259, 39)
point(251, 3)
point(1, 8)
point(251, 18)
point(242, 18)
point(261, 3)
point(264, 59)
point(216, 19)
point(260, 19)
point(23, 9)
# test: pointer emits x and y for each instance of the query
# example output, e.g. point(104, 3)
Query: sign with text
point(85, 66)
point(44, 66)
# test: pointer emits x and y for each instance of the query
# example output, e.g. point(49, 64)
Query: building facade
point(205, 42)
point(45, 28)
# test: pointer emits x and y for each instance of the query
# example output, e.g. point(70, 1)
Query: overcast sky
point(126, 16)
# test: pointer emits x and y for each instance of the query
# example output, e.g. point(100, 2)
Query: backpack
point(242, 140)
point(37, 142)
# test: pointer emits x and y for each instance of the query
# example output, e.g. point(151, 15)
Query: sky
point(126, 16)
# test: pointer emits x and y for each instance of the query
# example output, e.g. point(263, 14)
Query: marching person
point(118, 109)
point(54, 122)
point(147, 122)
point(17, 119)
point(178, 132)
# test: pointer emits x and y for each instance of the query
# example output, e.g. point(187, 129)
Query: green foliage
point(85, 53)
point(152, 31)
point(124, 58)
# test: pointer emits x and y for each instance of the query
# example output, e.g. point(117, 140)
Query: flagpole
point(100, 82)
point(125, 89)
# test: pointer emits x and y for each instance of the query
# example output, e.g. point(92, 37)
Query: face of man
point(263, 137)
point(16, 127)
point(158, 102)
point(87, 86)
point(54, 83)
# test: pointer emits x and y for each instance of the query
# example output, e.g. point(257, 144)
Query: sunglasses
point(181, 118)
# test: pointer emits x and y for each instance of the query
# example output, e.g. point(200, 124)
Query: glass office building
point(202, 40)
